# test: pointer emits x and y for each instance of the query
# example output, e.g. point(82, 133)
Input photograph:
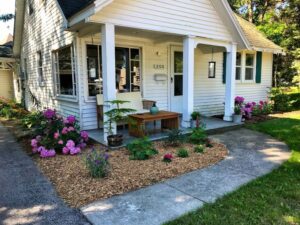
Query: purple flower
point(49, 113)
point(41, 148)
point(34, 143)
point(74, 150)
point(60, 142)
point(71, 129)
point(82, 145)
point(71, 119)
point(70, 144)
point(34, 150)
point(64, 130)
point(56, 135)
point(239, 100)
point(66, 150)
point(84, 135)
point(47, 153)
point(106, 156)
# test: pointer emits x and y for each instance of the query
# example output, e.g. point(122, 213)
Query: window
point(40, 67)
point(238, 66)
point(178, 73)
point(128, 69)
point(245, 64)
point(249, 70)
point(63, 65)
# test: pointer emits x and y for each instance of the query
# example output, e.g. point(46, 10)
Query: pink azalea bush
point(252, 108)
point(168, 158)
point(58, 135)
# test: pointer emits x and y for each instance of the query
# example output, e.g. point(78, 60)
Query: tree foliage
point(6, 17)
point(279, 20)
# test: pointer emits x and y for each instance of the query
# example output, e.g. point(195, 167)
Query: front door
point(176, 79)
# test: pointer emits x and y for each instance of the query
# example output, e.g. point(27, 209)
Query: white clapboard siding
point(44, 31)
point(184, 17)
point(6, 84)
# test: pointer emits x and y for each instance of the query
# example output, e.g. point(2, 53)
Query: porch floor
point(212, 125)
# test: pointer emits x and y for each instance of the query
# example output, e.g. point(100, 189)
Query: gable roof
point(71, 7)
point(257, 39)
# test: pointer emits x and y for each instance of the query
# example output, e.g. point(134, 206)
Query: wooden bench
point(169, 120)
point(135, 102)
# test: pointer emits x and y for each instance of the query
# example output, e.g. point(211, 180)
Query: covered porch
point(211, 124)
point(170, 73)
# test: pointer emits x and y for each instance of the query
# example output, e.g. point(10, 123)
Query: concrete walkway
point(26, 196)
point(252, 154)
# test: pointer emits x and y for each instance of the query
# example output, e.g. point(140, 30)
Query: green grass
point(272, 199)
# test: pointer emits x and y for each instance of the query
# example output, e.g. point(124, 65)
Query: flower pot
point(115, 140)
point(237, 118)
point(154, 109)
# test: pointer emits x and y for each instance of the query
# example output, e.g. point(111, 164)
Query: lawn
point(272, 199)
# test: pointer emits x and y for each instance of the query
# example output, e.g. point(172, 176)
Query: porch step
point(224, 129)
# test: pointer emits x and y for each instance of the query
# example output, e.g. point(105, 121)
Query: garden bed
point(75, 185)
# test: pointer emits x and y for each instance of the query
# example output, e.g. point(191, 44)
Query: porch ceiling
point(87, 29)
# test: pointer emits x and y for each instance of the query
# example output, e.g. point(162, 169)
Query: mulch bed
point(75, 185)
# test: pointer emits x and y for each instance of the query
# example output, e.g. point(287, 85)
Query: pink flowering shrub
point(58, 135)
point(252, 108)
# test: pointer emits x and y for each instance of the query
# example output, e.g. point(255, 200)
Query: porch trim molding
point(108, 65)
point(230, 85)
point(212, 42)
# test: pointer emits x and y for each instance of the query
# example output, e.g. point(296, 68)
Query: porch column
point(108, 67)
point(188, 80)
point(230, 83)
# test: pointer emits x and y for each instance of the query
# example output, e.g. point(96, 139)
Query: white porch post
point(188, 80)
point(230, 83)
point(108, 67)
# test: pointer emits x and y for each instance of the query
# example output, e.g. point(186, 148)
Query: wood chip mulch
point(74, 184)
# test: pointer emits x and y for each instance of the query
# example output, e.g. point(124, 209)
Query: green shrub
point(182, 153)
point(198, 136)
point(97, 163)
point(141, 149)
point(33, 120)
point(175, 138)
point(195, 115)
point(199, 149)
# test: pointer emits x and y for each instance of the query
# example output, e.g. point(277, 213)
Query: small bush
point(195, 115)
point(198, 136)
point(175, 138)
point(182, 153)
point(33, 120)
point(97, 163)
point(10, 109)
point(141, 149)
point(199, 149)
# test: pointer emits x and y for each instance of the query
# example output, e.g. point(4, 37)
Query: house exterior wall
point(209, 94)
point(184, 17)
point(44, 31)
point(6, 84)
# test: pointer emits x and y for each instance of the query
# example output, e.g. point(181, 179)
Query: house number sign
point(159, 66)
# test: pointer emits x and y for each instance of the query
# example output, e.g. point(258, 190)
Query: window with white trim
point(128, 69)
point(245, 66)
point(64, 71)
point(249, 67)
point(39, 61)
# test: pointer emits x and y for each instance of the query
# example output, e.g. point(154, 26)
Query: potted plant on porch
point(115, 115)
point(238, 112)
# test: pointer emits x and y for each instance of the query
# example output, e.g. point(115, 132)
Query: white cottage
point(184, 54)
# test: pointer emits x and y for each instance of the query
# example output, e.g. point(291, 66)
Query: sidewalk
point(252, 154)
point(26, 196)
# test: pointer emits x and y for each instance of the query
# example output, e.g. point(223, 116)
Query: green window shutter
point(258, 67)
point(224, 66)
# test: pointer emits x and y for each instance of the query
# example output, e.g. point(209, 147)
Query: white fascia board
point(18, 27)
point(5, 59)
point(270, 50)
